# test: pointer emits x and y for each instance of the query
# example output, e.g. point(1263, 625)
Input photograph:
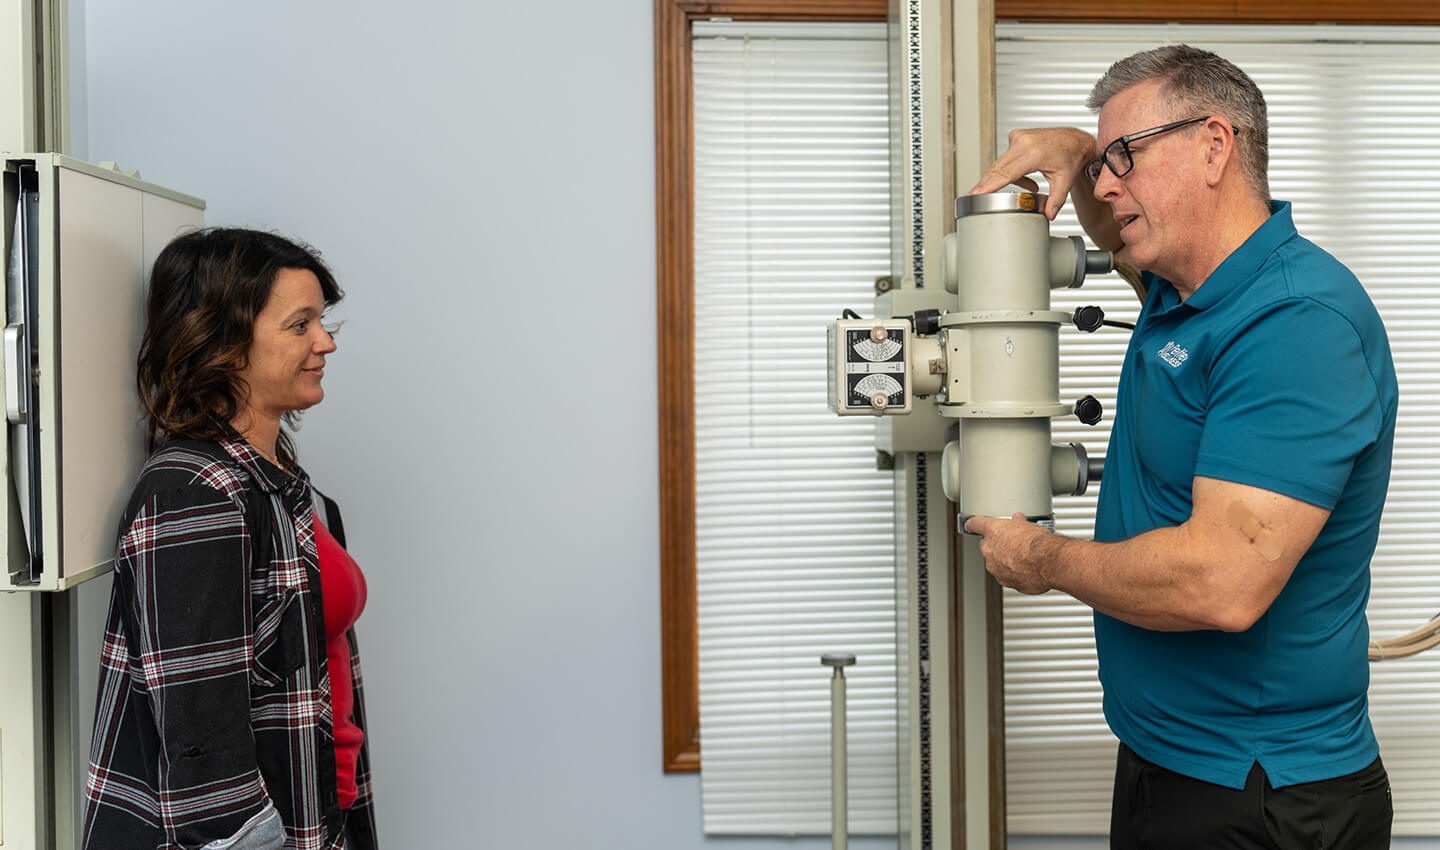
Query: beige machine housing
point(990, 361)
point(96, 233)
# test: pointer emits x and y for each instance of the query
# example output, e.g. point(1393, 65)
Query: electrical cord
point(1405, 645)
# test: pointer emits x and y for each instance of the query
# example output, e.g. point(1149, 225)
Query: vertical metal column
point(924, 617)
point(952, 753)
point(922, 186)
point(980, 630)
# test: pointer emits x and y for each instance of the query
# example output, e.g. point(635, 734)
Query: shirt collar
point(269, 476)
point(1240, 267)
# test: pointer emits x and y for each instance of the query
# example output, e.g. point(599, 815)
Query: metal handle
point(839, 793)
point(15, 411)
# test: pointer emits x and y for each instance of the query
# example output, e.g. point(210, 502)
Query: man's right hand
point(1058, 153)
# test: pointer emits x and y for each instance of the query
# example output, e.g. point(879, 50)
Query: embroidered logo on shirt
point(1174, 354)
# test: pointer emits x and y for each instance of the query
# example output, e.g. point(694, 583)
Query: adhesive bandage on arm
point(1269, 544)
point(1265, 541)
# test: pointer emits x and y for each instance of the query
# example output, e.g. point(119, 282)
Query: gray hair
point(1196, 82)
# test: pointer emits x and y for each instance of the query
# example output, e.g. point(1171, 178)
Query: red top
point(342, 586)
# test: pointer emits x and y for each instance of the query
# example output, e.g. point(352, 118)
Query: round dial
point(876, 352)
point(882, 384)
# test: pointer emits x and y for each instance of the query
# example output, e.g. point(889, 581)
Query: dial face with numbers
point(875, 352)
point(874, 370)
point(869, 385)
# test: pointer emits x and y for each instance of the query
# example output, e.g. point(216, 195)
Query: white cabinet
point(79, 243)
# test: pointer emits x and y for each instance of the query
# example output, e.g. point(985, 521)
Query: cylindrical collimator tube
point(1004, 261)
point(1005, 467)
point(1014, 362)
point(1003, 257)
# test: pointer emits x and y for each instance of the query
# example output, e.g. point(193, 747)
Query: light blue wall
point(481, 177)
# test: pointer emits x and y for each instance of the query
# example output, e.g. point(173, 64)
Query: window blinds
point(794, 537)
point(1355, 114)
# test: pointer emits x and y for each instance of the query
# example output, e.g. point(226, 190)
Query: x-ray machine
point(963, 343)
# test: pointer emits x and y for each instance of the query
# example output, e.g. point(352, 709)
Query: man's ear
point(1220, 151)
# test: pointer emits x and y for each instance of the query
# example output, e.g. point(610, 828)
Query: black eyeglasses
point(1120, 159)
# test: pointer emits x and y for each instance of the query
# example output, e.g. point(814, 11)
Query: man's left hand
point(1017, 552)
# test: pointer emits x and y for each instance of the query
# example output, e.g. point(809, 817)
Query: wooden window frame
point(675, 267)
point(675, 273)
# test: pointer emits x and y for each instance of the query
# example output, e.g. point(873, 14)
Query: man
point(1243, 484)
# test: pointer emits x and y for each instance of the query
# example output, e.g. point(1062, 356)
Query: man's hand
point(1058, 153)
point(1017, 552)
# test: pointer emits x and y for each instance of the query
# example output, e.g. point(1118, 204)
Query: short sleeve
point(1293, 403)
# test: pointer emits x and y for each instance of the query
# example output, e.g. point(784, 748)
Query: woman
point(230, 712)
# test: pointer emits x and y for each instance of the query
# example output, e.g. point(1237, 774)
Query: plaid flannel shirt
point(214, 699)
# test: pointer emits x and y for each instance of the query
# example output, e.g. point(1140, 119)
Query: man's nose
point(1107, 184)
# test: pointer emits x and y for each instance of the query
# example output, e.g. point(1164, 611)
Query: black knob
point(1088, 409)
point(927, 322)
point(1089, 319)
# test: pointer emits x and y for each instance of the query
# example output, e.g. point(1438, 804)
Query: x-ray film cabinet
point(79, 243)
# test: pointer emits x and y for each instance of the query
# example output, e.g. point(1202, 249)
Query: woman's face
point(287, 351)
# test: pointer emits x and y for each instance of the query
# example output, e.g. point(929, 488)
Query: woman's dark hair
point(206, 289)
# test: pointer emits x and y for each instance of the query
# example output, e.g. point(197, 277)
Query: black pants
point(1158, 809)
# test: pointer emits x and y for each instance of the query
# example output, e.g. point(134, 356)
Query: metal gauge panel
point(873, 371)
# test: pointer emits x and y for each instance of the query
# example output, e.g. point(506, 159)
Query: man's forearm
point(1220, 569)
point(1162, 580)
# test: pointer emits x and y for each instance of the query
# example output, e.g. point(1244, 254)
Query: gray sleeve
point(262, 832)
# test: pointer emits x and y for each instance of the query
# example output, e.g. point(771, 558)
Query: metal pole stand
point(839, 793)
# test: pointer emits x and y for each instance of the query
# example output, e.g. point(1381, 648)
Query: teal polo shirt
point(1275, 373)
